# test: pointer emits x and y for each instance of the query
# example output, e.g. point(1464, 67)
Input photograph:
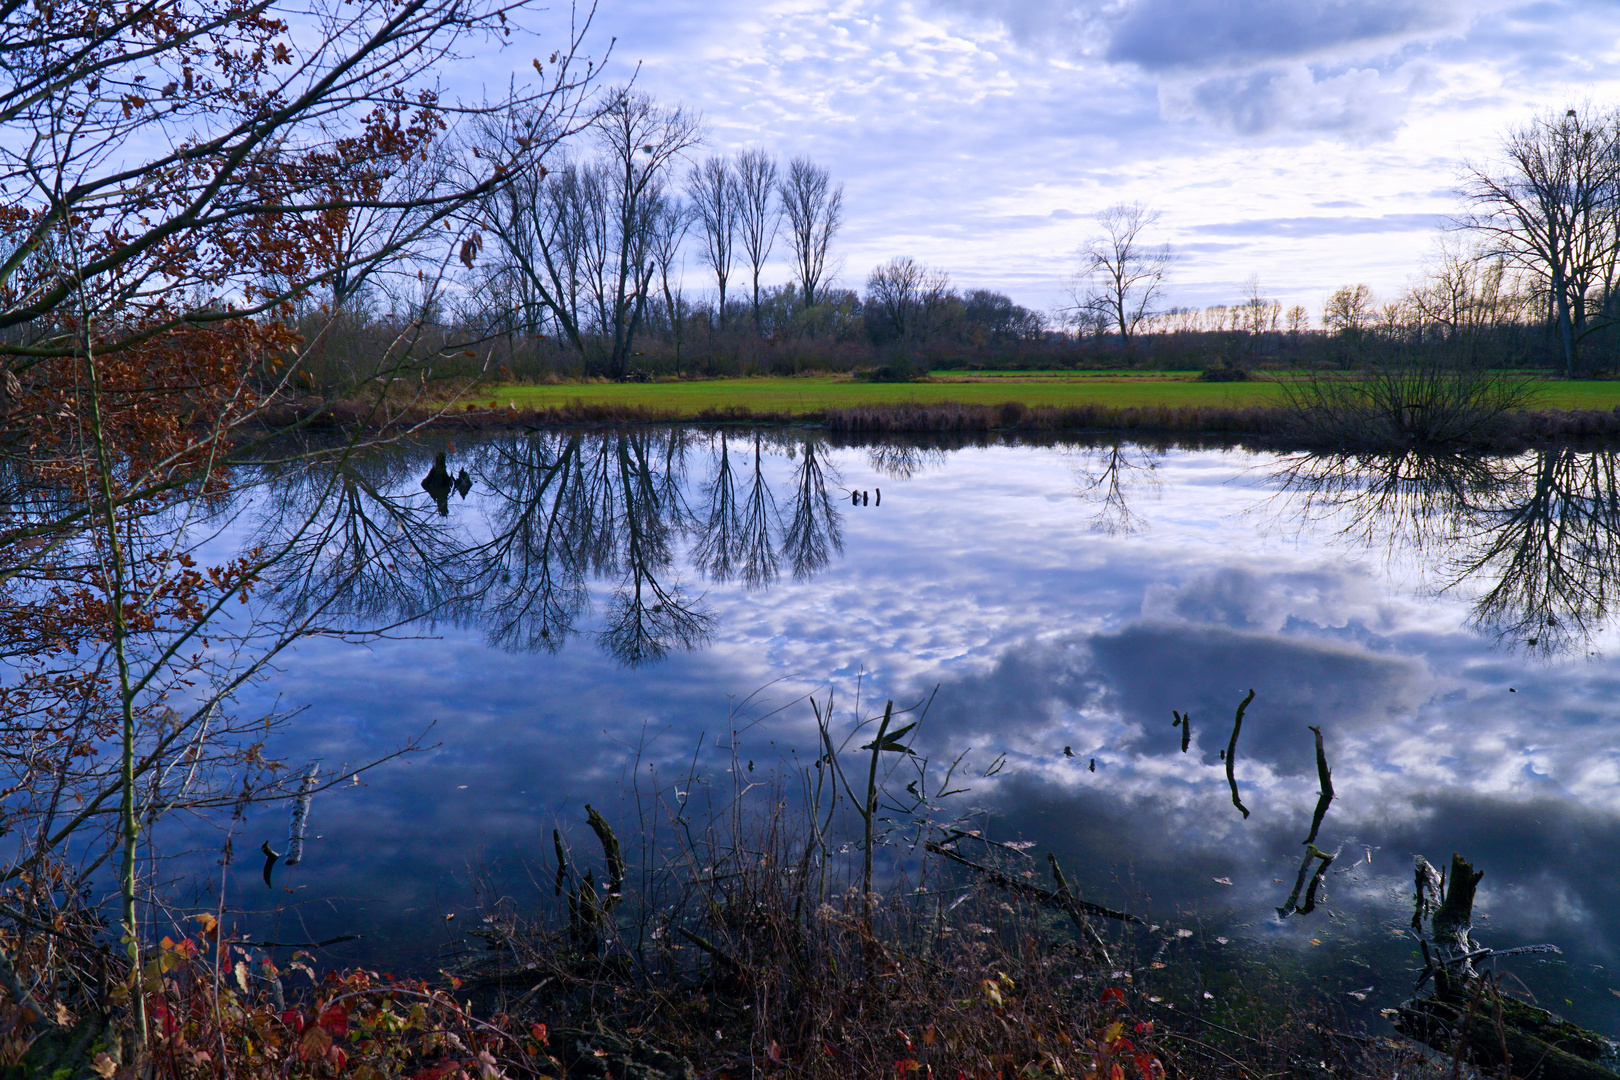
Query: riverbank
point(1146, 404)
point(1272, 425)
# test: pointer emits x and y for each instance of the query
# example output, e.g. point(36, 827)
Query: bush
point(1413, 401)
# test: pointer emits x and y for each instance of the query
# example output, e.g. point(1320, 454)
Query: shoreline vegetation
point(956, 404)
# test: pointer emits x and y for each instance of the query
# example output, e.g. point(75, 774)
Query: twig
point(1044, 897)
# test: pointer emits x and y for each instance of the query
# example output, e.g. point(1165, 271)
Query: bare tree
point(759, 215)
point(1259, 312)
point(539, 222)
point(1464, 294)
point(641, 140)
point(669, 230)
point(814, 210)
point(715, 197)
point(1120, 276)
point(1552, 210)
point(895, 291)
point(177, 183)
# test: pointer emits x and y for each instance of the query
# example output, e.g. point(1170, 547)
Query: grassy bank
point(812, 397)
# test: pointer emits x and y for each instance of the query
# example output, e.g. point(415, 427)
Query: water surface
point(603, 607)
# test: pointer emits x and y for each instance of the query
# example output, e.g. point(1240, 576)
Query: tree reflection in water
point(1112, 473)
point(1533, 540)
point(556, 511)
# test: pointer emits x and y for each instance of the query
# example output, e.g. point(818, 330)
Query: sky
point(1312, 143)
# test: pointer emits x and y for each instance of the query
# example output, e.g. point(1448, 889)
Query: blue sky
point(1310, 142)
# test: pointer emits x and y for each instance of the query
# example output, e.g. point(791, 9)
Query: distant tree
point(759, 215)
point(993, 316)
point(1258, 312)
point(1552, 208)
point(1350, 310)
point(713, 190)
point(814, 210)
point(1465, 292)
point(1299, 320)
point(1120, 277)
point(893, 294)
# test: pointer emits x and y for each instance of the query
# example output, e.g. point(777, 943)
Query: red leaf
point(1113, 994)
point(293, 1019)
point(539, 1033)
point(335, 1020)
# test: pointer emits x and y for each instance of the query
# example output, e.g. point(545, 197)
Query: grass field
point(800, 396)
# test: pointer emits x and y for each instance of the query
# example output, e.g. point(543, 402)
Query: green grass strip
point(802, 396)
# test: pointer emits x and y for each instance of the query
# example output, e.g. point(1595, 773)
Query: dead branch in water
point(1231, 753)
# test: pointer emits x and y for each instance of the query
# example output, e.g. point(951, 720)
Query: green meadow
point(815, 394)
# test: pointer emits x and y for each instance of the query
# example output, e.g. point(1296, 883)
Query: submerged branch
point(1325, 775)
point(1231, 753)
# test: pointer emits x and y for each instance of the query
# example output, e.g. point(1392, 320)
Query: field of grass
point(801, 396)
point(814, 395)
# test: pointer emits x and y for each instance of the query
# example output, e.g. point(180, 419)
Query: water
point(606, 608)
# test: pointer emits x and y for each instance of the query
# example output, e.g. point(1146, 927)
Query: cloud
point(1359, 103)
point(1322, 226)
point(1166, 35)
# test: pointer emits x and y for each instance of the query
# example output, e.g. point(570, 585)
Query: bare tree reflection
point(1553, 552)
point(1398, 502)
point(567, 508)
point(1112, 473)
point(814, 532)
point(363, 542)
point(1533, 541)
point(556, 513)
point(737, 536)
point(719, 550)
point(902, 460)
point(759, 557)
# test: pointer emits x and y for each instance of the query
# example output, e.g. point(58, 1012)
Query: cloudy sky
point(1310, 142)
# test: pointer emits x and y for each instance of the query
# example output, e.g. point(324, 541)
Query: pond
point(589, 617)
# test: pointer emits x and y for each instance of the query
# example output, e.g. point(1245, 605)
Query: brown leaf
point(315, 1043)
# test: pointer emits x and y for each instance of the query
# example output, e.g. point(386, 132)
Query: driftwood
point(1467, 1016)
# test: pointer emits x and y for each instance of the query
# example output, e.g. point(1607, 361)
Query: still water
point(603, 606)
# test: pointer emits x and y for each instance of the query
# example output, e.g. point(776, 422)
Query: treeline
point(625, 253)
point(1525, 275)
